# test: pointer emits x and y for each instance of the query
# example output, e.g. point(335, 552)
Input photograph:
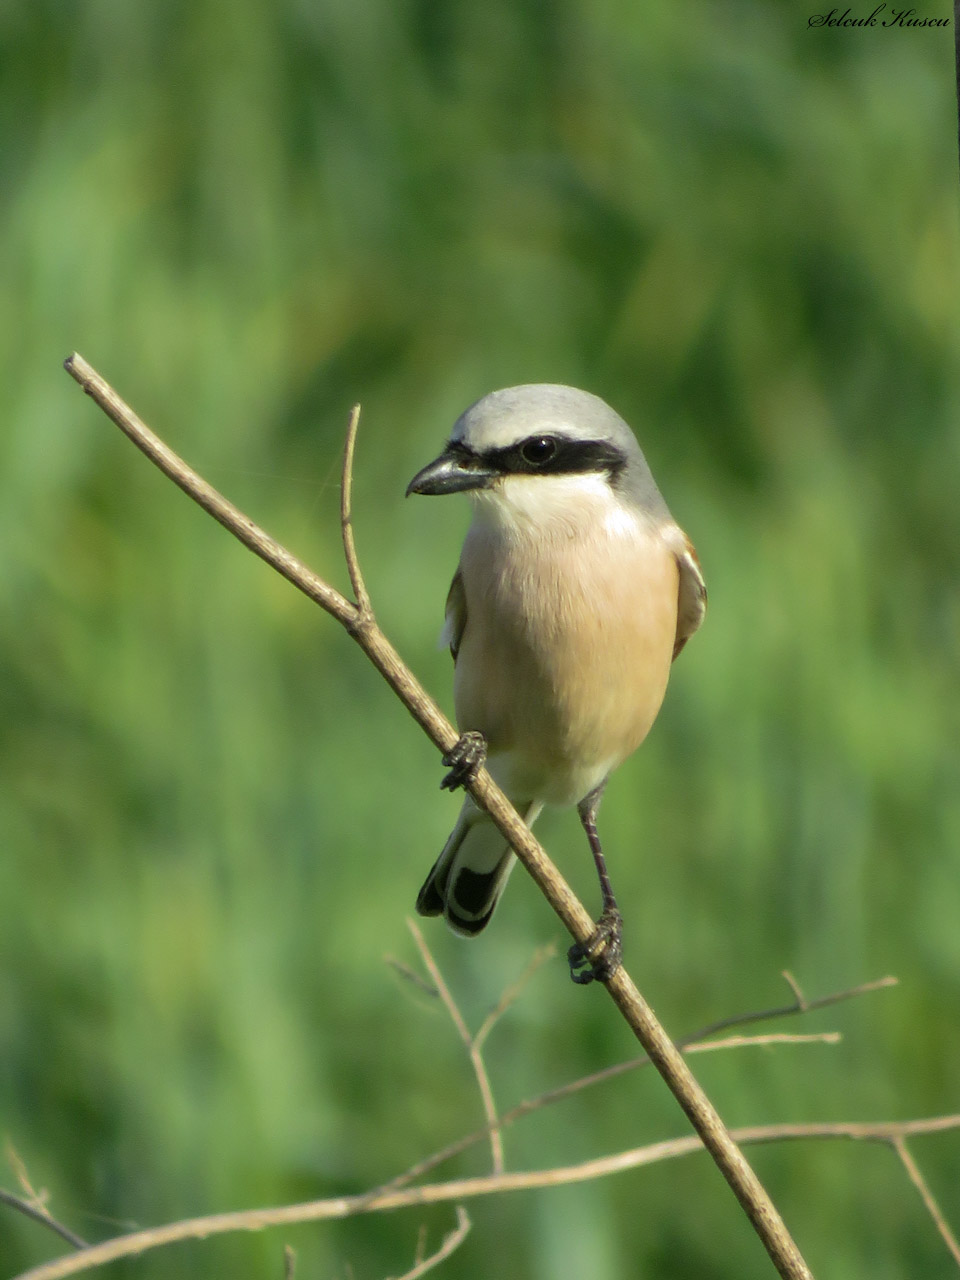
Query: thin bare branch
point(451, 1241)
point(346, 522)
point(635, 1010)
point(465, 1188)
point(899, 1144)
point(289, 1262)
point(513, 992)
point(476, 1058)
point(40, 1213)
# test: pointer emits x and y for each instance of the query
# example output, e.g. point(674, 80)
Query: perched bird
point(575, 591)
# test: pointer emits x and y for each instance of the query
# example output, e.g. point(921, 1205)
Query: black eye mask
point(551, 455)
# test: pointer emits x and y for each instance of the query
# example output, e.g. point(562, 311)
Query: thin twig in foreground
point(465, 1188)
point(698, 1108)
point(476, 1058)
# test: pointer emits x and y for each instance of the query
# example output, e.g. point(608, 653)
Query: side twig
point(346, 521)
point(638, 1014)
point(800, 1005)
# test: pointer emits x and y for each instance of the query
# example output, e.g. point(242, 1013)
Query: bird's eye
point(538, 450)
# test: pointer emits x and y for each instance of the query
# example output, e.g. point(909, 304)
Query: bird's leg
point(599, 956)
point(464, 759)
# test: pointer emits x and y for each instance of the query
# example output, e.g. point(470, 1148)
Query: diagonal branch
point(138, 1242)
point(638, 1014)
point(899, 1144)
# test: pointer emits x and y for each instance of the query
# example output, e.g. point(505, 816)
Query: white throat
point(552, 504)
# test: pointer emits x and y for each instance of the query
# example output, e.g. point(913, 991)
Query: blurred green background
point(214, 817)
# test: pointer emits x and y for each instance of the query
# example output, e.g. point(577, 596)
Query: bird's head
point(542, 444)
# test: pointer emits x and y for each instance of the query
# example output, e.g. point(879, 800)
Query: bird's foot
point(464, 759)
point(599, 957)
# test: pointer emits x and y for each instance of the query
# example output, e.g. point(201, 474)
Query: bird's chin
point(492, 500)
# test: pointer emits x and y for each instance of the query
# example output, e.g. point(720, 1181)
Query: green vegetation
point(214, 817)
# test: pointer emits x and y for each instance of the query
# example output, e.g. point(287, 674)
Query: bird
point(576, 590)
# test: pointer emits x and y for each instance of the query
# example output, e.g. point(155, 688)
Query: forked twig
point(800, 1005)
point(451, 1241)
point(476, 1057)
point(40, 1214)
point(33, 1203)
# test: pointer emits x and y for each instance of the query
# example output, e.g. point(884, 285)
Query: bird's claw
point(600, 956)
point(464, 759)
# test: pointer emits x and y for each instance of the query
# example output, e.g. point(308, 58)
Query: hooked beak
point(452, 472)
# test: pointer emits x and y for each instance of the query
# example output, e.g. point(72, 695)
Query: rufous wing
point(692, 602)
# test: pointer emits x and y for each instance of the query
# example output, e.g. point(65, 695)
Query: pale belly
point(565, 655)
